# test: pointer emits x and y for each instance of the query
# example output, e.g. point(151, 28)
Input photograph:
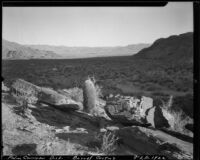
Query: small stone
point(66, 128)
point(103, 130)
point(112, 128)
point(59, 130)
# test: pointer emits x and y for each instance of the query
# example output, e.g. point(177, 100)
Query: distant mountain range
point(12, 50)
point(173, 48)
point(87, 52)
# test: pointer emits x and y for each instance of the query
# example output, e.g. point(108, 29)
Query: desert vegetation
point(117, 75)
point(92, 115)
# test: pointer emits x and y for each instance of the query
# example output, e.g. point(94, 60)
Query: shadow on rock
point(25, 149)
point(84, 139)
point(74, 119)
point(137, 141)
point(178, 135)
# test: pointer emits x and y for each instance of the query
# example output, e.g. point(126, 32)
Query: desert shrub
point(176, 117)
point(168, 104)
point(179, 122)
point(108, 143)
point(57, 148)
point(24, 94)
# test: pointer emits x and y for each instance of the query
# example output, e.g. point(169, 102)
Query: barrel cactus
point(89, 96)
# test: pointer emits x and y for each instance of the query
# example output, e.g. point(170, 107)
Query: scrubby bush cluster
point(108, 143)
point(176, 117)
point(24, 95)
point(154, 76)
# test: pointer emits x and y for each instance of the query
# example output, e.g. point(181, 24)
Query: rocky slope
point(44, 129)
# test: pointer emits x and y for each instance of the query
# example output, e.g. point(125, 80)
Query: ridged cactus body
point(89, 96)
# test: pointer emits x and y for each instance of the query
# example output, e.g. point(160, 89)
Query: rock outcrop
point(44, 95)
point(4, 88)
point(119, 110)
point(48, 129)
point(152, 142)
point(146, 103)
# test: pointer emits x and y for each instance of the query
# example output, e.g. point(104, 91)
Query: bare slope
point(11, 50)
point(174, 48)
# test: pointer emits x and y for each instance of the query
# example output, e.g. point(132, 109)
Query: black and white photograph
point(98, 80)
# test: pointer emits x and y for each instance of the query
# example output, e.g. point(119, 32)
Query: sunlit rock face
point(124, 109)
point(146, 103)
point(4, 88)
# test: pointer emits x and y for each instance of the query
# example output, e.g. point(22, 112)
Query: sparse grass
point(176, 118)
point(108, 145)
point(58, 148)
point(24, 92)
point(23, 101)
point(180, 120)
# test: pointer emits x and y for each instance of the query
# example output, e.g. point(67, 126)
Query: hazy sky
point(95, 26)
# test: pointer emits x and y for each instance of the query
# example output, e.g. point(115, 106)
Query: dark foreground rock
point(156, 118)
point(148, 141)
point(124, 116)
point(25, 149)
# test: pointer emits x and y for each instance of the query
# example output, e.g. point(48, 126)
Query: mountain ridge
point(13, 50)
point(173, 48)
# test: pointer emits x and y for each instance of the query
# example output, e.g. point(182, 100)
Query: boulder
point(150, 116)
point(138, 141)
point(52, 97)
point(99, 112)
point(58, 101)
point(121, 113)
point(156, 119)
point(4, 88)
point(142, 140)
point(146, 103)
